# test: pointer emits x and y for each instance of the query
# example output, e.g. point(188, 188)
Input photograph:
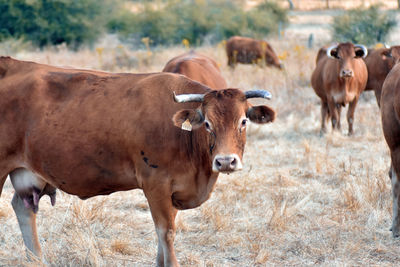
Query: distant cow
point(379, 63)
point(339, 77)
point(390, 113)
point(197, 67)
point(92, 133)
point(250, 51)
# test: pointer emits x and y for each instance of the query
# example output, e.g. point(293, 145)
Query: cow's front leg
point(339, 112)
point(350, 114)
point(324, 116)
point(334, 114)
point(164, 214)
point(27, 224)
point(395, 194)
point(2, 181)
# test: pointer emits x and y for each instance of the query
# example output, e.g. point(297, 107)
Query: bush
point(364, 26)
point(45, 22)
point(197, 20)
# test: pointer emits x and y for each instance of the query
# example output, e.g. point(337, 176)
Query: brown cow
point(197, 67)
point(390, 112)
point(339, 77)
point(379, 63)
point(250, 51)
point(92, 133)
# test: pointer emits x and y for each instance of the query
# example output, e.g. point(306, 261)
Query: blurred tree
point(46, 22)
point(366, 26)
point(197, 21)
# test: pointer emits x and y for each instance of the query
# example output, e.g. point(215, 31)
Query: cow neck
point(199, 145)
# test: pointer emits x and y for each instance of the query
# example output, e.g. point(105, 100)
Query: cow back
point(197, 67)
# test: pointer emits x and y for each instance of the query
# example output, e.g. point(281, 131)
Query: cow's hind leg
point(164, 214)
point(28, 188)
point(27, 224)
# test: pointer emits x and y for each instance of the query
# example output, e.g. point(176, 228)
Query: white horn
point(258, 93)
point(188, 98)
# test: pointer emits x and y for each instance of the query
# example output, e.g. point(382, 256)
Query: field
point(301, 199)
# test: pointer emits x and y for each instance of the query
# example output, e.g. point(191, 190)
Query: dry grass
point(301, 199)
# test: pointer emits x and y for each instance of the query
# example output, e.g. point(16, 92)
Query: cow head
point(391, 55)
point(346, 53)
point(271, 58)
point(224, 115)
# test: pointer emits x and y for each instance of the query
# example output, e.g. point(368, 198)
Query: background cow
point(92, 133)
point(390, 114)
point(379, 63)
point(197, 67)
point(250, 51)
point(339, 77)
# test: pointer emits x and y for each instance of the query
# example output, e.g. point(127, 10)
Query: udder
point(31, 187)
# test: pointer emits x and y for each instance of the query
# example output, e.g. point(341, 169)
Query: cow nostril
point(233, 162)
point(218, 163)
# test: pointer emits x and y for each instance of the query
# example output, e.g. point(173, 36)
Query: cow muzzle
point(227, 163)
point(346, 73)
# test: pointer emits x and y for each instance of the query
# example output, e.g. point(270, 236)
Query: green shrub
point(45, 22)
point(364, 26)
point(198, 20)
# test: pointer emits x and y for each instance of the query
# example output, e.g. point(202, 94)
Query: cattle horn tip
point(188, 98)
point(258, 93)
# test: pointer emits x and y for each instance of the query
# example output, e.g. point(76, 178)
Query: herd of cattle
point(170, 134)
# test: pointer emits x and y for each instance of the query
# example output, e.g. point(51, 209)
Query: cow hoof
point(395, 231)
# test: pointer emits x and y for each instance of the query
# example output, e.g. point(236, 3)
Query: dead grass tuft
point(350, 200)
point(262, 256)
point(279, 218)
point(121, 247)
point(90, 213)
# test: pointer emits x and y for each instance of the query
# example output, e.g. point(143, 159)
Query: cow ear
point(334, 53)
point(188, 119)
point(261, 114)
point(386, 54)
point(359, 53)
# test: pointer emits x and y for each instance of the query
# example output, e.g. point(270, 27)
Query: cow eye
point(207, 125)
point(244, 122)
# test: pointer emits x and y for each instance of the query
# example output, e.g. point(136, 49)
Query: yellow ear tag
point(186, 125)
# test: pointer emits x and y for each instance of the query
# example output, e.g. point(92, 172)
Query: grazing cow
point(197, 67)
point(92, 133)
point(339, 77)
point(379, 63)
point(250, 51)
point(390, 113)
